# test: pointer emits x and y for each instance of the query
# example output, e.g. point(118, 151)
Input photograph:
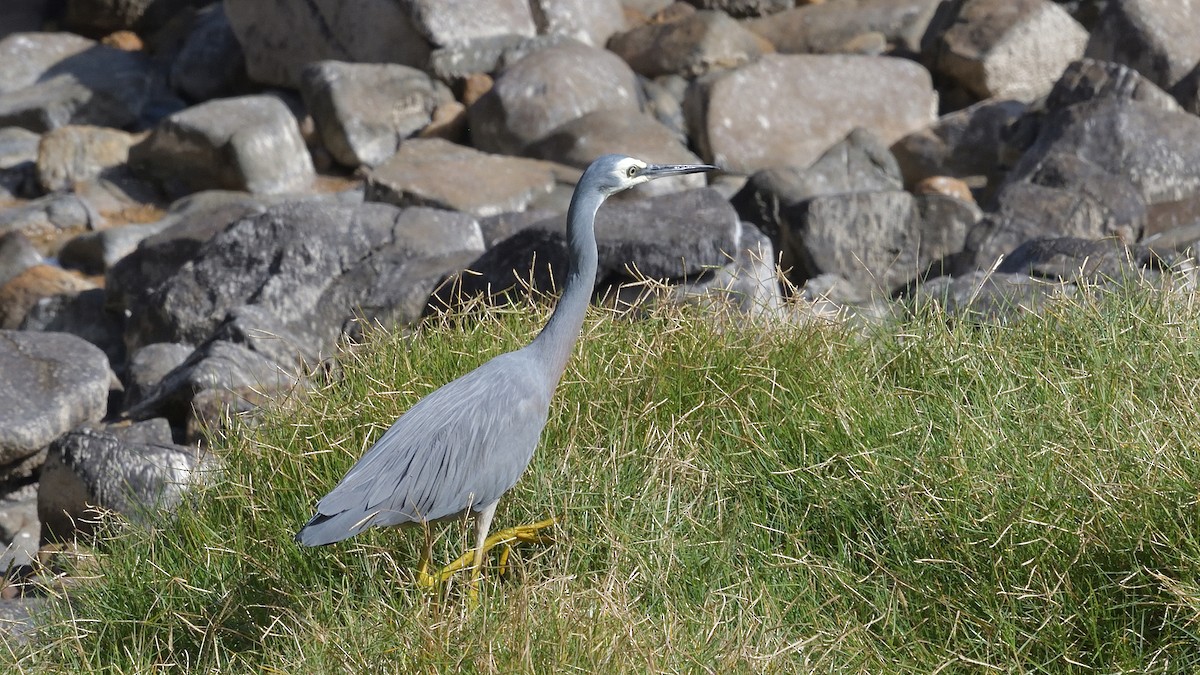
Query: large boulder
point(1158, 38)
point(690, 46)
point(591, 22)
point(835, 27)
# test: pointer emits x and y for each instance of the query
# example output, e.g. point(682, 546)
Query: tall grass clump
point(929, 497)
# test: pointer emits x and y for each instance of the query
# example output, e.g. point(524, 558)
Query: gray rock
point(250, 143)
point(879, 241)
point(19, 528)
point(149, 365)
point(591, 22)
point(72, 154)
point(741, 8)
point(1088, 79)
point(446, 23)
point(49, 219)
point(27, 57)
point(747, 283)
point(488, 54)
point(571, 80)
point(279, 44)
point(210, 63)
point(64, 382)
point(967, 144)
point(831, 27)
point(787, 110)
point(1010, 48)
point(691, 46)
point(1187, 91)
point(364, 110)
point(98, 85)
point(83, 314)
point(582, 140)
point(437, 173)
point(664, 100)
point(859, 163)
point(1158, 38)
point(94, 467)
point(18, 163)
point(16, 256)
point(27, 289)
point(97, 252)
point(20, 617)
point(669, 237)
point(989, 297)
point(1172, 223)
point(100, 17)
point(291, 261)
point(1072, 259)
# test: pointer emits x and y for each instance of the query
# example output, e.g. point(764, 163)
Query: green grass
point(735, 498)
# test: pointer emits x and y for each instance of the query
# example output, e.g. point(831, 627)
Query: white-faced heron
point(459, 449)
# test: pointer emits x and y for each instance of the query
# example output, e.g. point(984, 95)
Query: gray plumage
point(459, 449)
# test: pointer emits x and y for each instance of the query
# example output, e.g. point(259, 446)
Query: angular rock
point(27, 57)
point(487, 55)
point(83, 314)
point(437, 173)
point(291, 261)
point(1158, 38)
point(1088, 79)
point(787, 110)
point(98, 85)
point(879, 241)
point(445, 22)
point(673, 236)
point(278, 45)
point(1010, 48)
point(571, 80)
point(859, 163)
point(16, 256)
point(967, 144)
point(18, 163)
point(98, 467)
point(149, 365)
point(364, 110)
point(1072, 259)
point(48, 220)
point(210, 63)
point(250, 143)
point(832, 27)
point(741, 8)
point(988, 297)
point(98, 252)
point(72, 154)
point(692, 46)
point(582, 140)
point(591, 22)
point(64, 383)
point(1187, 91)
point(26, 289)
point(748, 283)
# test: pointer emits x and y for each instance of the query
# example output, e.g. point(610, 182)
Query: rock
point(18, 163)
point(279, 44)
point(945, 185)
point(582, 140)
point(364, 110)
point(1089, 79)
point(249, 143)
point(149, 365)
point(432, 172)
point(16, 256)
point(747, 283)
point(100, 17)
point(95, 467)
point(591, 22)
point(571, 80)
point(1073, 259)
point(989, 297)
point(692, 46)
point(879, 241)
point(20, 16)
point(787, 110)
point(210, 63)
point(487, 55)
point(298, 261)
point(20, 618)
point(834, 27)
point(967, 144)
point(1169, 218)
point(446, 23)
point(64, 383)
point(669, 237)
point(1158, 38)
point(19, 527)
point(72, 154)
point(48, 220)
point(664, 100)
point(97, 252)
point(1187, 92)
point(1010, 48)
point(82, 314)
point(26, 289)
point(27, 57)
point(96, 85)
point(859, 163)
point(741, 8)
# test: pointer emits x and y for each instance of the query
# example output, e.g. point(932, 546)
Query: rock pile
point(199, 199)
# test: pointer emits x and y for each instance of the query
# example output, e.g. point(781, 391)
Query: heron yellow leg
point(530, 534)
point(424, 578)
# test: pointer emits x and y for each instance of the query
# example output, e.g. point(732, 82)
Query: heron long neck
point(557, 339)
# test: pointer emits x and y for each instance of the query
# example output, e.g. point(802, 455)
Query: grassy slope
point(734, 500)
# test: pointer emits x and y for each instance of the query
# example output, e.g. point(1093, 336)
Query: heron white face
point(630, 172)
point(614, 173)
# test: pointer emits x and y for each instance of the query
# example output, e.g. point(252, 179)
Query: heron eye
point(633, 171)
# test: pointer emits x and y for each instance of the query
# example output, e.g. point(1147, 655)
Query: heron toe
point(530, 534)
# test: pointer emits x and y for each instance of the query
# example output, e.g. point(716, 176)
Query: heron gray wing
point(461, 447)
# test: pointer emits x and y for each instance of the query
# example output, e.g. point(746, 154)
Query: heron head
point(614, 173)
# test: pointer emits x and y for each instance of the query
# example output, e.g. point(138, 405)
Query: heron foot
point(530, 534)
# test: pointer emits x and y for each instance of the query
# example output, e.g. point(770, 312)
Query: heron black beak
point(659, 170)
